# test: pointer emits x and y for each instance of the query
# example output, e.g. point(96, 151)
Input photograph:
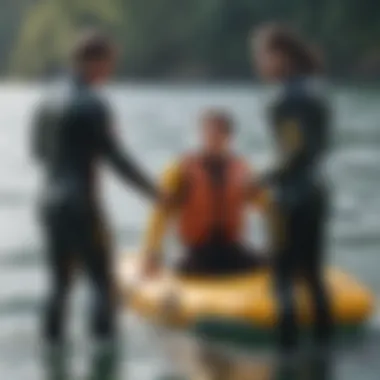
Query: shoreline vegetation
point(188, 84)
point(180, 40)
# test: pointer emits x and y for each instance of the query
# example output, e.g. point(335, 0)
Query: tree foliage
point(202, 38)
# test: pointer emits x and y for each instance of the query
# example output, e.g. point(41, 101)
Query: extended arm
point(123, 163)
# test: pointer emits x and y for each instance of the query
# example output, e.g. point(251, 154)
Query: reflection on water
point(224, 368)
point(200, 361)
point(56, 365)
point(103, 364)
point(312, 368)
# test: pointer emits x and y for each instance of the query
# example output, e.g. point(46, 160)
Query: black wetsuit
point(300, 119)
point(218, 255)
point(71, 135)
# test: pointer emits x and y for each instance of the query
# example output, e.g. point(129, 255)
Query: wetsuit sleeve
point(119, 159)
point(161, 215)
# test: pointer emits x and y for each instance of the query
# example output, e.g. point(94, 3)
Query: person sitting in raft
point(211, 189)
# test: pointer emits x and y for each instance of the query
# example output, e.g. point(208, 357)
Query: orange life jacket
point(206, 207)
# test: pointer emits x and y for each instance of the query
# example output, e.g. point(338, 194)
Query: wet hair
point(303, 57)
point(92, 45)
point(219, 119)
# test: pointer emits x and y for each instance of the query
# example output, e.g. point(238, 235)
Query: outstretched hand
point(254, 186)
point(150, 267)
point(165, 200)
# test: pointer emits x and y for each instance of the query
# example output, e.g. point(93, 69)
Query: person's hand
point(254, 187)
point(165, 199)
point(150, 267)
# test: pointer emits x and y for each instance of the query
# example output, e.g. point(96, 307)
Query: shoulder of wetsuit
point(296, 105)
point(89, 101)
point(310, 91)
point(91, 107)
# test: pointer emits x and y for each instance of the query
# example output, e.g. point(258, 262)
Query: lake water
point(158, 123)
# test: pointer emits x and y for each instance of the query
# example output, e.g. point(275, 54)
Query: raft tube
point(241, 304)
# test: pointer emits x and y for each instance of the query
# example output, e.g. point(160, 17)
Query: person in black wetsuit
point(72, 135)
point(300, 124)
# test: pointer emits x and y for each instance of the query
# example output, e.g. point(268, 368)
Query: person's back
point(74, 146)
point(69, 141)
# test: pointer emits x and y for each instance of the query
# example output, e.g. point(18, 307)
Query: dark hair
point(303, 57)
point(220, 119)
point(92, 45)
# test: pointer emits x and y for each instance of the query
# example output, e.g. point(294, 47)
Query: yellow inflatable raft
point(181, 302)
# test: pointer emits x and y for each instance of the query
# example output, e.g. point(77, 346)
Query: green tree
point(50, 26)
point(186, 37)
